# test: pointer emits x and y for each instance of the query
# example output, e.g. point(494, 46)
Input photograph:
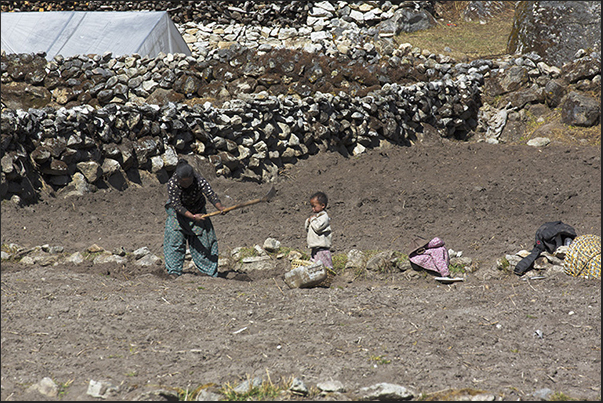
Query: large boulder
point(408, 19)
point(556, 30)
point(580, 110)
point(482, 11)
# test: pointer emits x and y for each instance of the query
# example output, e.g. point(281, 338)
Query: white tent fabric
point(70, 33)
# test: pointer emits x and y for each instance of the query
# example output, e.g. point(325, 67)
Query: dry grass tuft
point(467, 40)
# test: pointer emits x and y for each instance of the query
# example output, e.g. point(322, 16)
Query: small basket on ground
point(295, 263)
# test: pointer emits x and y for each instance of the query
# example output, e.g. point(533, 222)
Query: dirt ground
point(501, 334)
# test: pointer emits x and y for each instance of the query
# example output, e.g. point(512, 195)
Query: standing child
point(318, 227)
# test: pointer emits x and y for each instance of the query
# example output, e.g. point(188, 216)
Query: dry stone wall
point(250, 137)
point(73, 125)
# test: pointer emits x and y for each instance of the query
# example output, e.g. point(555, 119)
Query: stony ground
point(495, 332)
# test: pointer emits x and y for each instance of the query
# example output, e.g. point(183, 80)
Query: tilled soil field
point(496, 333)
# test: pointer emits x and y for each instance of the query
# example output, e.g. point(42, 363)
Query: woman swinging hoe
point(186, 223)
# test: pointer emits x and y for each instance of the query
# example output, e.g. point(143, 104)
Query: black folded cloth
point(549, 237)
point(527, 262)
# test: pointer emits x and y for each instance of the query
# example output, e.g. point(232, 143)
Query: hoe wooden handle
point(268, 197)
point(227, 209)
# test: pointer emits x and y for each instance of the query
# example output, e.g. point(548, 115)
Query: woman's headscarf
point(184, 170)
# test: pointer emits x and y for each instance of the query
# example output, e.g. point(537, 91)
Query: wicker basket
point(327, 281)
point(295, 263)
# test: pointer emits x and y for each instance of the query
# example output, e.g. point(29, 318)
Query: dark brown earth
point(139, 331)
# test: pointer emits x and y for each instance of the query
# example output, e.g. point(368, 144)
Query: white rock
point(149, 260)
point(386, 391)
point(47, 387)
point(539, 142)
point(76, 258)
point(331, 386)
point(271, 245)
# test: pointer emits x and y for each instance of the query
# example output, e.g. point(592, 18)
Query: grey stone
point(46, 387)
point(556, 30)
point(542, 394)
point(355, 259)
point(580, 110)
point(141, 252)
point(91, 170)
point(100, 389)
point(539, 142)
point(331, 386)
point(382, 261)
point(107, 257)
point(249, 264)
point(149, 260)
point(75, 258)
point(385, 391)
point(271, 245)
point(248, 385)
point(299, 387)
